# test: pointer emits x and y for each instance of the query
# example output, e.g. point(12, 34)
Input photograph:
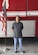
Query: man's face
point(17, 19)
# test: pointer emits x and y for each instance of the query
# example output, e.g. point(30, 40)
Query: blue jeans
point(16, 40)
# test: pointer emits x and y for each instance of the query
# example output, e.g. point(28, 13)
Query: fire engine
point(27, 10)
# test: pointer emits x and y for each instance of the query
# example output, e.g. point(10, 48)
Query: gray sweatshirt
point(17, 29)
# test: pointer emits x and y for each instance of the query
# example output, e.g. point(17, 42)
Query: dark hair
point(18, 16)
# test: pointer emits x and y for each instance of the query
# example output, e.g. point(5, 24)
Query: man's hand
point(13, 30)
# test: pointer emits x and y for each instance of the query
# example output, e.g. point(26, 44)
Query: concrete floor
point(30, 49)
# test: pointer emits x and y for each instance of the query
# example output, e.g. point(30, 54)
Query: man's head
point(17, 18)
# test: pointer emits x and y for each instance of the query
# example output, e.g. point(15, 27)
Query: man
point(17, 28)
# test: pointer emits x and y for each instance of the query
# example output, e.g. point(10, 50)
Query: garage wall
point(28, 31)
point(23, 8)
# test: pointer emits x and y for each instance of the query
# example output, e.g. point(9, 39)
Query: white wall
point(28, 31)
point(1, 32)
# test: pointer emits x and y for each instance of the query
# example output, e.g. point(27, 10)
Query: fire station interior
point(28, 12)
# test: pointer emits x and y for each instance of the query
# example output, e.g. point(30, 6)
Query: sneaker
point(16, 51)
point(22, 52)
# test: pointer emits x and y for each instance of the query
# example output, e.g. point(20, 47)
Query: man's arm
point(22, 27)
point(13, 27)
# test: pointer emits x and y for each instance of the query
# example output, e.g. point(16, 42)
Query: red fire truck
point(28, 11)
